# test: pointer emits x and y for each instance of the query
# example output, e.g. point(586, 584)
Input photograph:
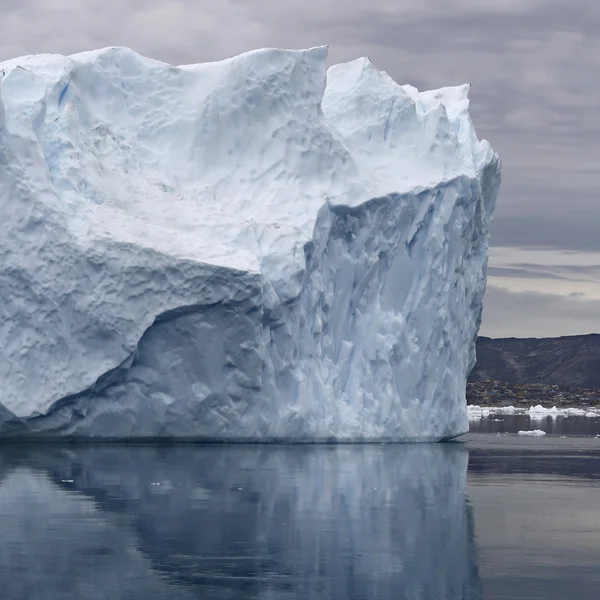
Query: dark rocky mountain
point(570, 361)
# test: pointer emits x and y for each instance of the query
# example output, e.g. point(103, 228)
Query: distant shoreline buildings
point(498, 393)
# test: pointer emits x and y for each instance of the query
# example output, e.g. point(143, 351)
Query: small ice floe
point(155, 483)
point(534, 432)
point(539, 412)
point(477, 412)
point(67, 481)
point(474, 411)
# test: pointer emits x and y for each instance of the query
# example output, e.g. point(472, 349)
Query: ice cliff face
point(250, 249)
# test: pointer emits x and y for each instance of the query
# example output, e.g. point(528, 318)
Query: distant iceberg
point(537, 412)
point(252, 249)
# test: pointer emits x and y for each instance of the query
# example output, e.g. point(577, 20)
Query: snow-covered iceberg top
point(249, 249)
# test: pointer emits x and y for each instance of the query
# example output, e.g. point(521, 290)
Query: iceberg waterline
point(251, 249)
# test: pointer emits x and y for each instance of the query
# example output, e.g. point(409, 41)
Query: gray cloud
point(522, 273)
point(549, 229)
point(589, 271)
point(530, 314)
point(533, 68)
point(556, 272)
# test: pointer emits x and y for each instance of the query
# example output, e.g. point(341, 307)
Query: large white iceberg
point(251, 249)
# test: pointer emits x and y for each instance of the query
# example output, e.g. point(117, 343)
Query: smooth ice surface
point(249, 249)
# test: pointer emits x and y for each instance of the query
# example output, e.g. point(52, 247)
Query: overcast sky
point(534, 66)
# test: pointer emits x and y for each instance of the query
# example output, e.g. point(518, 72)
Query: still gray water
point(494, 517)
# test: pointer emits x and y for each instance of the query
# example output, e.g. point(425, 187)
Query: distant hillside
point(571, 361)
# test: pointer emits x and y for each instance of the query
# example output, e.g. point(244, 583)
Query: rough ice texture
point(250, 249)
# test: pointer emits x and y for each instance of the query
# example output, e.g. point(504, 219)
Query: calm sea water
point(497, 516)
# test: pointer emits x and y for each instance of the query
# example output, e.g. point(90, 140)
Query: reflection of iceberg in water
point(261, 522)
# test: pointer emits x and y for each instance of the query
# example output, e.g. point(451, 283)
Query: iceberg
point(253, 249)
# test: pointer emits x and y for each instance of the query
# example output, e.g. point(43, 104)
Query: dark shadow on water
point(224, 522)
